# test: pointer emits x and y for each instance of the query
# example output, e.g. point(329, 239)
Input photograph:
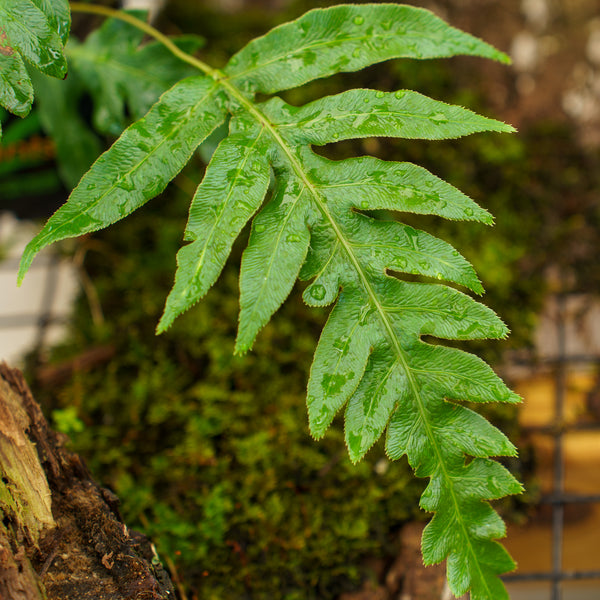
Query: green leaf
point(370, 183)
point(270, 264)
point(35, 31)
point(34, 34)
point(138, 166)
point(16, 91)
point(231, 192)
point(115, 70)
point(368, 113)
point(76, 145)
point(347, 38)
point(59, 16)
point(340, 361)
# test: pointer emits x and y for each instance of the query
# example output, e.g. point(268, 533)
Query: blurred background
point(210, 453)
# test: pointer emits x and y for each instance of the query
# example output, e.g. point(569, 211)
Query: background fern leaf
point(34, 31)
point(370, 358)
point(114, 67)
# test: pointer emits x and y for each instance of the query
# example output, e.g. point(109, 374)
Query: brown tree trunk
point(61, 536)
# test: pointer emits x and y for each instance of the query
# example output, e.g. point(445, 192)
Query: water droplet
point(366, 100)
point(126, 183)
point(358, 20)
point(399, 94)
point(387, 25)
point(292, 237)
point(424, 265)
point(401, 262)
point(364, 204)
point(455, 253)
point(356, 52)
point(380, 94)
point(469, 212)
point(317, 291)
point(91, 186)
point(336, 136)
point(438, 118)
point(259, 227)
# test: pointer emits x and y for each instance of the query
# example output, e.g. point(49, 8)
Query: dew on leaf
point(364, 204)
point(386, 25)
point(259, 227)
point(438, 118)
point(126, 183)
point(380, 94)
point(356, 52)
point(317, 291)
point(400, 94)
point(358, 20)
point(292, 237)
point(333, 383)
point(468, 211)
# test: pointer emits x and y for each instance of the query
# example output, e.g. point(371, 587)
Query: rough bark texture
point(61, 536)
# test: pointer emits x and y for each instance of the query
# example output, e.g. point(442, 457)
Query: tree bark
point(61, 535)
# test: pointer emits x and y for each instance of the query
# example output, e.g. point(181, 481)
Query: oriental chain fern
point(371, 358)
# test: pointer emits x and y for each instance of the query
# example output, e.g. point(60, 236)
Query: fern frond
point(371, 357)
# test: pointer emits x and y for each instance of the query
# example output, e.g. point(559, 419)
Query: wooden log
point(61, 535)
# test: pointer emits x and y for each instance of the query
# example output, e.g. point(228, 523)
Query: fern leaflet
point(370, 358)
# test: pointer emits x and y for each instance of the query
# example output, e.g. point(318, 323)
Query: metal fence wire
point(559, 498)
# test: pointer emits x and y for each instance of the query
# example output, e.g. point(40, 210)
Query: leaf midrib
point(262, 119)
point(371, 113)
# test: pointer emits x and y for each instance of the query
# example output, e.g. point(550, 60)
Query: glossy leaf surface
point(139, 165)
point(347, 38)
point(371, 359)
point(32, 31)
